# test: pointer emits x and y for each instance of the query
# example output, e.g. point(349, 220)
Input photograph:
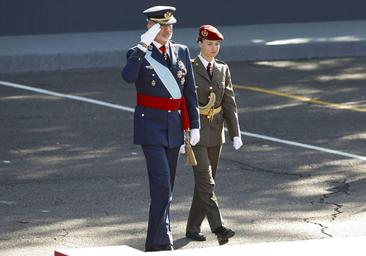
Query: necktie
point(209, 70)
point(165, 54)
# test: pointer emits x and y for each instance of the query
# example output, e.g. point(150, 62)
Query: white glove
point(182, 149)
point(149, 36)
point(194, 136)
point(237, 143)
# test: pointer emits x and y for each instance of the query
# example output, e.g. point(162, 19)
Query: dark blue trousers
point(161, 167)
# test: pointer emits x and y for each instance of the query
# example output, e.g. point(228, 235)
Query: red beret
point(210, 33)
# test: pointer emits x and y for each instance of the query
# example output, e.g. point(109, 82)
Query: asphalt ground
point(70, 176)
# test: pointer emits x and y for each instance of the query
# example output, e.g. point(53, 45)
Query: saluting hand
point(148, 37)
point(237, 142)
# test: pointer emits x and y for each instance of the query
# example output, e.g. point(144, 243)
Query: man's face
point(166, 32)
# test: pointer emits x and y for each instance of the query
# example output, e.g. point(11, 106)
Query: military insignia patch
point(167, 15)
point(204, 33)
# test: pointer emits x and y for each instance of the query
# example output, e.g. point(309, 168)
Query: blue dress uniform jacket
point(153, 126)
point(160, 132)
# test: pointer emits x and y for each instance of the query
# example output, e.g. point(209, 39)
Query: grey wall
point(62, 16)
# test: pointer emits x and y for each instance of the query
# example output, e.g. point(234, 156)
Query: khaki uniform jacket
point(212, 133)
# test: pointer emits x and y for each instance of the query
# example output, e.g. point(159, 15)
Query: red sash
point(166, 104)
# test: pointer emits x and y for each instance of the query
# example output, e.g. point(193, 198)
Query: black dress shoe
point(168, 247)
point(155, 248)
point(223, 234)
point(152, 248)
point(196, 236)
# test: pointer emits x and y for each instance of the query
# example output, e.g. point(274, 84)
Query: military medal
point(180, 74)
point(182, 67)
point(165, 56)
point(182, 81)
point(153, 83)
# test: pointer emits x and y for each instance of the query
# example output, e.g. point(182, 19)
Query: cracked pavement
point(71, 177)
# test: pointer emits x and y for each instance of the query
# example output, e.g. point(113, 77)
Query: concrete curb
point(256, 42)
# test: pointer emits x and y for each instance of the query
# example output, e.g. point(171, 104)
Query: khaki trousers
point(204, 203)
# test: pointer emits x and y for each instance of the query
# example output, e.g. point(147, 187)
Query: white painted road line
point(67, 96)
point(301, 145)
point(124, 108)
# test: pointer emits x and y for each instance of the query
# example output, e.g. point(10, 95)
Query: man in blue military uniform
point(166, 105)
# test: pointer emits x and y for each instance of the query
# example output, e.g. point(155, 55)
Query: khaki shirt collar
point(205, 62)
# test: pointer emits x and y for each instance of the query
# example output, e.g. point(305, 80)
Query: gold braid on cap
point(167, 16)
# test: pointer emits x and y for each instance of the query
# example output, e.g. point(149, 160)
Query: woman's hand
point(194, 136)
point(237, 142)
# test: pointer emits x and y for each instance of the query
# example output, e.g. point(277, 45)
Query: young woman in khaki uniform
point(217, 105)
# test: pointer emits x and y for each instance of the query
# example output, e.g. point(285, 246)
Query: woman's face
point(209, 48)
point(165, 33)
